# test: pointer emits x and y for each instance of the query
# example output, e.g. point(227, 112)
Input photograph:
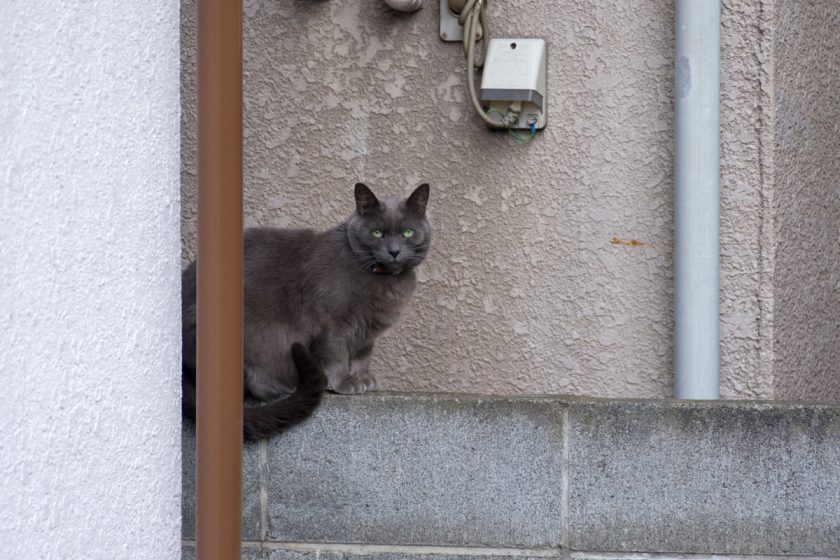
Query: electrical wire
point(474, 12)
point(516, 136)
point(474, 20)
point(519, 138)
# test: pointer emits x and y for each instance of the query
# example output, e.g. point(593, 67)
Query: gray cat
point(314, 305)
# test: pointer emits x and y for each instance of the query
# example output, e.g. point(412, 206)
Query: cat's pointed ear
point(366, 201)
point(417, 200)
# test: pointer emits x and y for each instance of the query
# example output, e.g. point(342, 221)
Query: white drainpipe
point(696, 208)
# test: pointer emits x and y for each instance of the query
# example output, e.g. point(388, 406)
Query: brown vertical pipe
point(219, 367)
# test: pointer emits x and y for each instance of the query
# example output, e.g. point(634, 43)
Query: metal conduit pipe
point(696, 198)
point(219, 291)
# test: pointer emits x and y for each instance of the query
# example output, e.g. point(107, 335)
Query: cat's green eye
point(408, 232)
point(377, 233)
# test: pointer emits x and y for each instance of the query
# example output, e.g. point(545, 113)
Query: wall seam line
point(263, 482)
point(565, 466)
point(361, 549)
point(766, 238)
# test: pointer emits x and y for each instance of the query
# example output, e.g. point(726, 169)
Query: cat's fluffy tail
point(264, 421)
point(261, 422)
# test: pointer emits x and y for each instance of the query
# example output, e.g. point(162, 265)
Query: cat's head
point(390, 235)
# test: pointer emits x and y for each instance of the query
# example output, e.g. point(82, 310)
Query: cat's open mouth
point(394, 268)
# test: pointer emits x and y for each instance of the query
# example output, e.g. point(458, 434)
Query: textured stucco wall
point(89, 280)
point(746, 194)
point(807, 184)
point(551, 265)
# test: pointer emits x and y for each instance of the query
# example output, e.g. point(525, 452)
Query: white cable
point(474, 20)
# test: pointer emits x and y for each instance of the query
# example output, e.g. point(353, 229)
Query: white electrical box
point(515, 72)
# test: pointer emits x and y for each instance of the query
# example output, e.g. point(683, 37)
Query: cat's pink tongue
point(379, 269)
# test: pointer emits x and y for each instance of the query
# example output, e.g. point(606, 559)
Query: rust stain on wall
point(630, 243)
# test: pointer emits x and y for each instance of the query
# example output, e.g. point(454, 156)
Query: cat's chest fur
point(375, 302)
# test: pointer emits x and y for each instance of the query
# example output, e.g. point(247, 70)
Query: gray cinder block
point(283, 554)
point(250, 486)
point(420, 469)
point(738, 478)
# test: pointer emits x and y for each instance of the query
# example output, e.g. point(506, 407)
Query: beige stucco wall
point(807, 200)
point(551, 266)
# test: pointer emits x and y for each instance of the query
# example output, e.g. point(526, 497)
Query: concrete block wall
point(388, 476)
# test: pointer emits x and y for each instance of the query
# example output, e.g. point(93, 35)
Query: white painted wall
point(89, 280)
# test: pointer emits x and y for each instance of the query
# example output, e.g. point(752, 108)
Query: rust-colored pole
point(219, 299)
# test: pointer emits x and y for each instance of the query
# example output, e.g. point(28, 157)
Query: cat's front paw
point(355, 385)
point(369, 382)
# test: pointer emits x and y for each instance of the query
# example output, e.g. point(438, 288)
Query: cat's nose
point(394, 253)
